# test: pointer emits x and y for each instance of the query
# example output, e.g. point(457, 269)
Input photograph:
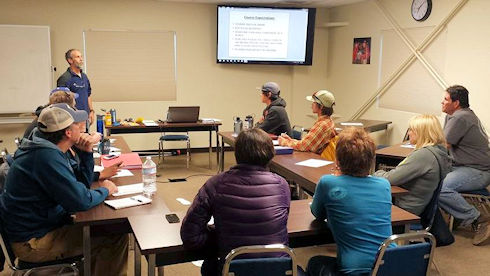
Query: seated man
point(42, 192)
point(468, 145)
point(322, 131)
point(250, 205)
point(357, 208)
point(274, 117)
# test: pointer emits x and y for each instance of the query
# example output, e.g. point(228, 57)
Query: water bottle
point(249, 122)
point(113, 116)
point(149, 177)
point(100, 125)
point(237, 125)
point(108, 119)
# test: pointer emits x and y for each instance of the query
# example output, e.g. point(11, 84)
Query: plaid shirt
point(317, 138)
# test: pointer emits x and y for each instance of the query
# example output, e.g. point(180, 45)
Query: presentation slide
point(248, 34)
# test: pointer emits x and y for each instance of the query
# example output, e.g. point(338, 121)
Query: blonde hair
point(62, 97)
point(428, 130)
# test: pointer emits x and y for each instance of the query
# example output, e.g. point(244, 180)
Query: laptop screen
point(183, 114)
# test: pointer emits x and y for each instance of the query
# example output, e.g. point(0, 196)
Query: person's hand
point(96, 137)
point(85, 142)
point(91, 117)
point(109, 185)
point(110, 171)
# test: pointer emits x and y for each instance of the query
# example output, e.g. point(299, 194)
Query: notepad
point(275, 142)
point(130, 161)
point(128, 202)
point(408, 146)
point(314, 163)
point(129, 189)
point(283, 150)
point(123, 173)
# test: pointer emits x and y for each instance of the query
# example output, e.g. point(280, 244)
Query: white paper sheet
point(149, 123)
point(129, 189)
point(98, 168)
point(183, 201)
point(114, 149)
point(314, 163)
point(351, 124)
point(275, 142)
point(96, 155)
point(123, 173)
point(408, 146)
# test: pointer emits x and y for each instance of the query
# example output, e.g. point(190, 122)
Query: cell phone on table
point(172, 218)
point(110, 156)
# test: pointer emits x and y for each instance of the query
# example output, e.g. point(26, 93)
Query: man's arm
point(270, 120)
point(415, 165)
point(91, 115)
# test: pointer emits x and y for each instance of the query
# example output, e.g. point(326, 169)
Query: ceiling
point(293, 3)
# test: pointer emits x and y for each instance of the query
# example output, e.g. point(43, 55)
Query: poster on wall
point(361, 53)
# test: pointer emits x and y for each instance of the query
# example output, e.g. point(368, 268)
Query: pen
point(139, 200)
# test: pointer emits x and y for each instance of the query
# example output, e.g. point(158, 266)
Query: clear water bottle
point(149, 177)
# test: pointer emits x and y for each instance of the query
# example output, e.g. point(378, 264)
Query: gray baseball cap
point(271, 87)
point(59, 116)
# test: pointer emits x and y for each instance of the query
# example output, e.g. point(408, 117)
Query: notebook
point(183, 114)
point(128, 202)
point(131, 161)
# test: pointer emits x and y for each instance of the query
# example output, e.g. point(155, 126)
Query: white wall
point(222, 91)
point(467, 56)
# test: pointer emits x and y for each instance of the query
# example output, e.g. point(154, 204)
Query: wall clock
point(421, 9)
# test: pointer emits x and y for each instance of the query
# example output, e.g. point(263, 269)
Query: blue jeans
point(462, 179)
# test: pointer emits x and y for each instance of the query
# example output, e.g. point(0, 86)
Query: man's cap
point(64, 89)
point(322, 97)
point(271, 87)
point(59, 116)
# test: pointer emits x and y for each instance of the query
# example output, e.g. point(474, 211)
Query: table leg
point(86, 251)
point(217, 145)
point(151, 265)
point(221, 166)
point(407, 228)
point(137, 257)
point(160, 271)
point(210, 146)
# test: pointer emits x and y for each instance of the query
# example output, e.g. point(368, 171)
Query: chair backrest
point(427, 216)
point(329, 151)
point(274, 266)
point(7, 251)
point(405, 260)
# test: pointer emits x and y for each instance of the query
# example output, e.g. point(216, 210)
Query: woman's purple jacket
point(250, 206)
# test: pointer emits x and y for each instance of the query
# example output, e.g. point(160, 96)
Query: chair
point(412, 259)
point(273, 266)
point(478, 198)
point(174, 137)
point(31, 268)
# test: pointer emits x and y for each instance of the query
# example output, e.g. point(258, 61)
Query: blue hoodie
point(42, 191)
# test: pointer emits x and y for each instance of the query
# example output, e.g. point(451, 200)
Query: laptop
point(183, 114)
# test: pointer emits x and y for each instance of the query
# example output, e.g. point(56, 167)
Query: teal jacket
point(41, 189)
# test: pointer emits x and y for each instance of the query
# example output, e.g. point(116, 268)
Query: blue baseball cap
point(65, 89)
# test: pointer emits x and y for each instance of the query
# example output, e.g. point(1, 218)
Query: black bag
point(440, 230)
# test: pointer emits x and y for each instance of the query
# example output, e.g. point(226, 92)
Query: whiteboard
point(25, 67)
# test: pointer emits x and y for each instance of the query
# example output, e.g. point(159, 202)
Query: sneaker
point(482, 233)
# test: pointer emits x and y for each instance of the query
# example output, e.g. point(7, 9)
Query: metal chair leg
point(188, 151)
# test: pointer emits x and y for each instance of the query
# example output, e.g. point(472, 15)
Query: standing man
point(468, 145)
point(78, 83)
point(275, 119)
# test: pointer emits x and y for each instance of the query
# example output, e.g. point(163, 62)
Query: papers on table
point(150, 123)
point(123, 173)
point(275, 142)
point(127, 202)
point(96, 155)
point(408, 146)
point(98, 168)
point(129, 189)
point(314, 163)
point(183, 201)
point(210, 120)
point(351, 124)
point(114, 149)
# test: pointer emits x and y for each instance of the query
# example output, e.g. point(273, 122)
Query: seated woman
point(274, 119)
point(250, 205)
point(356, 205)
point(322, 131)
point(419, 173)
